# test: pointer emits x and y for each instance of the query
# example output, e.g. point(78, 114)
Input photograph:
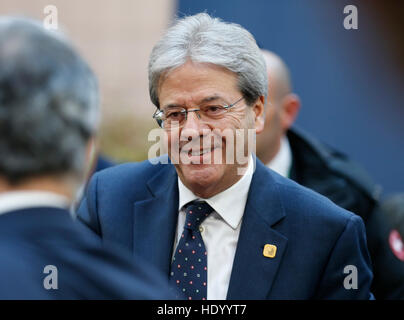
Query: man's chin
point(198, 177)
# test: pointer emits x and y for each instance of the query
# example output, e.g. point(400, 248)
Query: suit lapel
point(253, 273)
point(155, 220)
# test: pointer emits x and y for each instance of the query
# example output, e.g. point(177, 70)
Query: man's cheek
point(172, 147)
point(226, 147)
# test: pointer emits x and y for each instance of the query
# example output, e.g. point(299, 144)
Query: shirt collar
point(283, 159)
point(230, 203)
point(18, 200)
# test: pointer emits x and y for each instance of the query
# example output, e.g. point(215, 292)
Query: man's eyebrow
point(173, 105)
point(211, 98)
point(204, 100)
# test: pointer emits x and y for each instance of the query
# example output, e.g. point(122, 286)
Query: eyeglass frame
point(186, 111)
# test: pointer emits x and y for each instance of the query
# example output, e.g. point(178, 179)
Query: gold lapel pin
point(269, 251)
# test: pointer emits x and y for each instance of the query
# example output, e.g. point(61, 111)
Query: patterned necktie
point(189, 267)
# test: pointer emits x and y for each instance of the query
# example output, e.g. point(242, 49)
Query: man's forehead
point(196, 83)
point(193, 74)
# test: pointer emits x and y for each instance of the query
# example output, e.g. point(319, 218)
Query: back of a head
point(278, 75)
point(48, 102)
point(203, 39)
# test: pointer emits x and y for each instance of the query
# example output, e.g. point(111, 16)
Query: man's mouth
point(200, 152)
point(198, 156)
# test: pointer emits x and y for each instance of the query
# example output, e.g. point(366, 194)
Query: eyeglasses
point(175, 117)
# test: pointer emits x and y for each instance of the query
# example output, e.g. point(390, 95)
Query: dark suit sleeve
point(348, 273)
point(87, 211)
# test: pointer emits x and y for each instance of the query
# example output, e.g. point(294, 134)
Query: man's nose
point(193, 125)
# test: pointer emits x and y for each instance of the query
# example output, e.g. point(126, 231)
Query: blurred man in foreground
point(294, 154)
point(48, 117)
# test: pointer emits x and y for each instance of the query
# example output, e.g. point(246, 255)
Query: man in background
point(296, 155)
point(48, 119)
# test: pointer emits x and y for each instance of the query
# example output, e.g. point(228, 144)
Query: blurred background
point(351, 82)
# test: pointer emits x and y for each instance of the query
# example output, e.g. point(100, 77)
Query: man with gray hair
point(48, 118)
point(219, 228)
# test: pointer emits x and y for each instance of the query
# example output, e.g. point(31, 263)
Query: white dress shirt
point(220, 230)
point(18, 200)
point(283, 159)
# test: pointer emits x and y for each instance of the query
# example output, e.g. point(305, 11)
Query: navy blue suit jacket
point(136, 205)
point(33, 238)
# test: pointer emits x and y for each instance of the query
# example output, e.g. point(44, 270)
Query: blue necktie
point(189, 267)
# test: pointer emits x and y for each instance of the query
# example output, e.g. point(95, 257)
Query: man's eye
point(214, 109)
point(173, 114)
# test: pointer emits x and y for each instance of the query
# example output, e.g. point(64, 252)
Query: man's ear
point(259, 114)
point(290, 110)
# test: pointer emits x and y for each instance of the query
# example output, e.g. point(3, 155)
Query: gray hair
point(48, 102)
point(201, 38)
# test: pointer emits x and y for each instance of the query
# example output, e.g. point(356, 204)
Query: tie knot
point(196, 212)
